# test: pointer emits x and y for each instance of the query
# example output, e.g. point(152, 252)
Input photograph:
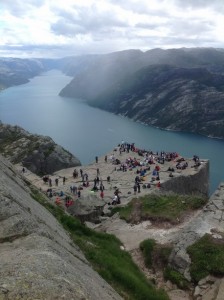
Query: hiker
point(135, 189)
point(45, 179)
point(74, 190)
point(56, 181)
point(96, 159)
point(114, 200)
point(138, 187)
point(64, 180)
point(105, 158)
point(97, 172)
point(75, 173)
point(101, 186)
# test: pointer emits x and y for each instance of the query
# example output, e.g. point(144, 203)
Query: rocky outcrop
point(196, 182)
point(210, 220)
point(39, 154)
point(38, 259)
point(88, 208)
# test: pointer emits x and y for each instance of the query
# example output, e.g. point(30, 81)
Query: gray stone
point(38, 260)
point(219, 204)
point(220, 295)
point(39, 154)
point(88, 208)
point(197, 291)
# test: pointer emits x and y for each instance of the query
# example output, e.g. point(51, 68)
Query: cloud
point(84, 20)
point(60, 28)
point(19, 8)
point(195, 4)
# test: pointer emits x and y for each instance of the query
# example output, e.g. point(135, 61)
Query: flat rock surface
point(130, 235)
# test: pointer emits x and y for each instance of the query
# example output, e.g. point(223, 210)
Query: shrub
point(207, 257)
point(147, 247)
point(176, 278)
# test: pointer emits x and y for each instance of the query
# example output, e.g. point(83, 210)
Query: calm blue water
point(87, 131)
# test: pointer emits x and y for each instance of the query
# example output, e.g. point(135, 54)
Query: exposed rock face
point(89, 208)
point(37, 153)
point(208, 221)
point(172, 98)
point(194, 183)
point(178, 89)
point(37, 258)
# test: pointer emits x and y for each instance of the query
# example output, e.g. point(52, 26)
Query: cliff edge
point(38, 153)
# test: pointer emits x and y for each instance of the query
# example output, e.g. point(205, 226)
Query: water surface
point(86, 131)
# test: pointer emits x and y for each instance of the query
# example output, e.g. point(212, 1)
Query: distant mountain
point(172, 98)
point(15, 71)
point(102, 73)
point(176, 89)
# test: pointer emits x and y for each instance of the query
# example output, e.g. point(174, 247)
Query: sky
point(59, 28)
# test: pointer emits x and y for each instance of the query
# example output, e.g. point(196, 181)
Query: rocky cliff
point(176, 89)
point(37, 258)
point(39, 154)
point(172, 98)
point(15, 71)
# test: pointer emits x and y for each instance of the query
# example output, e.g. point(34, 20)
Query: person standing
point(102, 194)
point(139, 187)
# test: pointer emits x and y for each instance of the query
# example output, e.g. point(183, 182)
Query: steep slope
point(172, 98)
point(101, 74)
point(39, 154)
point(107, 70)
point(37, 258)
point(176, 89)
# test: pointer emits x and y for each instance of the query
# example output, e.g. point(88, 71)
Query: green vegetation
point(103, 252)
point(176, 278)
point(156, 256)
point(147, 247)
point(207, 257)
point(169, 208)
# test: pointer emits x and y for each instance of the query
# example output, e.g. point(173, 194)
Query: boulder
point(88, 208)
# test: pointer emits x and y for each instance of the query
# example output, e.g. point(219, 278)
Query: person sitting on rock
point(114, 202)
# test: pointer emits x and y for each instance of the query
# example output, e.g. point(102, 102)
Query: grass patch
point(147, 247)
point(176, 278)
point(163, 208)
point(103, 252)
point(207, 257)
point(156, 256)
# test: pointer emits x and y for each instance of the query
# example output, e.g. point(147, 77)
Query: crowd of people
point(144, 164)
